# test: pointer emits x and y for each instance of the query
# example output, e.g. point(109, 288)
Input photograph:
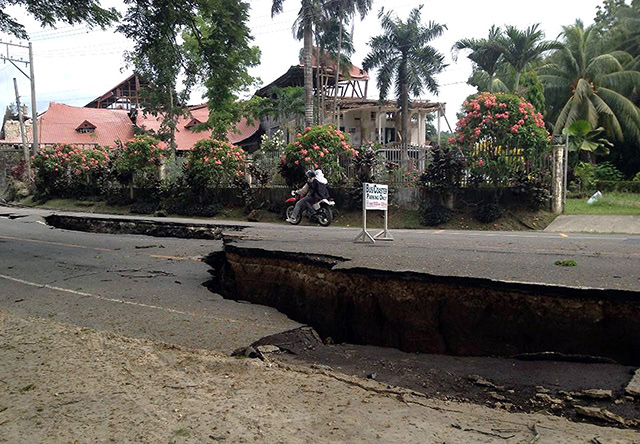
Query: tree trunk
point(491, 83)
point(308, 75)
point(319, 120)
point(335, 93)
point(516, 84)
point(406, 123)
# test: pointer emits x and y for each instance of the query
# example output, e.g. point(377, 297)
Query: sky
point(74, 65)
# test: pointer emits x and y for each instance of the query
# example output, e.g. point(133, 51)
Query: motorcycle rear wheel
point(323, 216)
point(289, 214)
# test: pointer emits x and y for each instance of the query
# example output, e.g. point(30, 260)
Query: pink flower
point(307, 159)
point(297, 162)
point(480, 162)
point(217, 162)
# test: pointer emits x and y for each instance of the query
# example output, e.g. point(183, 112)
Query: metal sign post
point(374, 197)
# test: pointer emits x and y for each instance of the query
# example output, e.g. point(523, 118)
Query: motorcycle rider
point(314, 190)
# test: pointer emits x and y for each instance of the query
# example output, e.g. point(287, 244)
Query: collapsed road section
point(150, 227)
point(418, 312)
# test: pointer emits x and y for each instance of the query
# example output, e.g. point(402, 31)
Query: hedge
point(625, 186)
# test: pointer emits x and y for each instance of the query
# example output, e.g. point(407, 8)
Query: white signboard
point(375, 197)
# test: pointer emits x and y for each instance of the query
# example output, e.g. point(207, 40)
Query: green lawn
point(619, 204)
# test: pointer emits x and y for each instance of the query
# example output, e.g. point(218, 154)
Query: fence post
point(557, 187)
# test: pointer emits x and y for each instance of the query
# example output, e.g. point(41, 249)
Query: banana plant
point(586, 141)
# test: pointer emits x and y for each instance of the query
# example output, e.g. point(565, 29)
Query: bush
point(69, 170)
point(622, 186)
point(211, 163)
point(584, 176)
point(608, 172)
point(144, 207)
point(317, 147)
point(444, 173)
point(534, 189)
point(434, 215)
point(501, 120)
point(138, 161)
point(488, 213)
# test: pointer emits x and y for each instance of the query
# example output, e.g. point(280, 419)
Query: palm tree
point(582, 82)
point(305, 20)
point(402, 53)
point(344, 10)
point(484, 53)
point(521, 48)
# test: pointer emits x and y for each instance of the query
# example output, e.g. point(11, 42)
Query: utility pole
point(8, 57)
point(34, 109)
point(25, 148)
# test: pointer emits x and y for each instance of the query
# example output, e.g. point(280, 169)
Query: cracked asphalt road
point(133, 285)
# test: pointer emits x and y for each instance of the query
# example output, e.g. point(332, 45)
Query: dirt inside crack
point(448, 338)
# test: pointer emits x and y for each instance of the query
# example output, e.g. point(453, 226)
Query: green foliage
point(138, 161)
point(534, 188)
point(445, 170)
point(584, 176)
point(434, 215)
point(636, 178)
point(488, 213)
point(365, 165)
point(623, 186)
point(211, 163)
point(532, 90)
point(606, 171)
point(584, 140)
point(205, 41)
point(405, 59)
point(315, 147)
point(49, 12)
point(521, 48)
point(69, 170)
point(566, 263)
point(484, 54)
point(586, 81)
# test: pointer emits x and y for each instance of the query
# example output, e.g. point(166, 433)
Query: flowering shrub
point(501, 120)
point(138, 161)
point(140, 155)
point(69, 170)
point(213, 162)
point(317, 147)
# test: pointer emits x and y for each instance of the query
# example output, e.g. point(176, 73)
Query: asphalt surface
point(603, 261)
point(608, 261)
point(133, 285)
point(152, 288)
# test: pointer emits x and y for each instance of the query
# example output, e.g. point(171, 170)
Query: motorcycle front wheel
point(289, 214)
point(324, 216)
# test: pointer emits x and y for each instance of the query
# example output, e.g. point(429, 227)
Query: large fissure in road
point(432, 314)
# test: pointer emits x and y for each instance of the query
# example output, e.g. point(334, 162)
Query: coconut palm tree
point(582, 82)
point(406, 60)
point(343, 11)
point(307, 15)
point(484, 54)
point(521, 48)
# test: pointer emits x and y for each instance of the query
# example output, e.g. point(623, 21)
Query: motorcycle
point(321, 211)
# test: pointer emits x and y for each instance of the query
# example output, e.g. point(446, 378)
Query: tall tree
point(484, 53)
point(48, 12)
point(405, 59)
point(343, 11)
point(207, 42)
point(308, 14)
point(584, 83)
point(521, 48)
